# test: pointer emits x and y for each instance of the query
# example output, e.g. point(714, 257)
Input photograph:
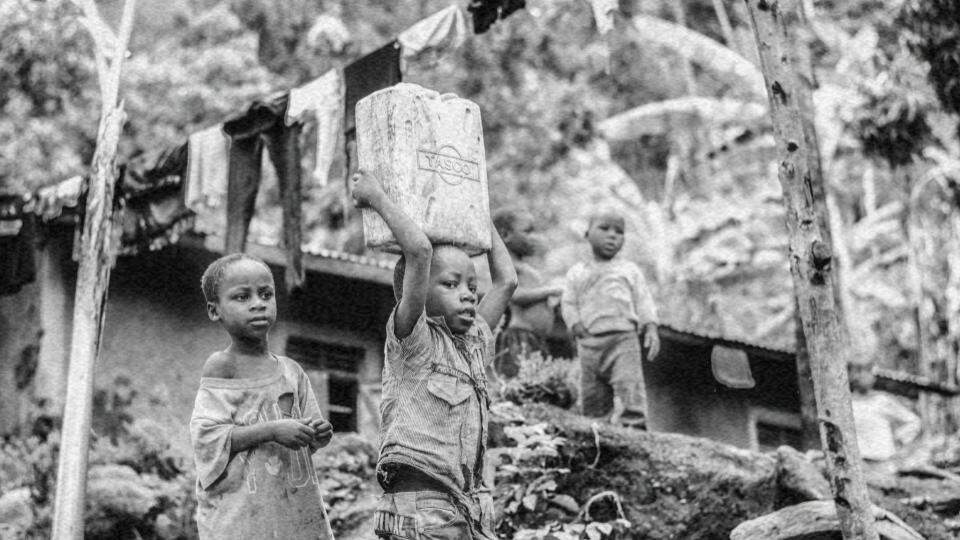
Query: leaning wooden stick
point(784, 59)
point(98, 252)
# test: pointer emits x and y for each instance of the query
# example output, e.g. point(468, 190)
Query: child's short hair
point(213, 275)
point(603, 211)
point(400, 269)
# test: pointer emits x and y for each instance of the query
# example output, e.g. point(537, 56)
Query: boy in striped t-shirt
point(433, 425)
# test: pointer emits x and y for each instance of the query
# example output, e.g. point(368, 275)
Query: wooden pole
point(808, 395)
point(778, 26)
point(98, 250)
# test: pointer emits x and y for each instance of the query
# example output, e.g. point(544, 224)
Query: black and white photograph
point(479, 269)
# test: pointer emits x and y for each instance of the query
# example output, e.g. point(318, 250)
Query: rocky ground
point(561, 476)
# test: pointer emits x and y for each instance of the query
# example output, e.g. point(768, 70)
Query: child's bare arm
point(504, 278)
point(417, 251)
point(524, 296)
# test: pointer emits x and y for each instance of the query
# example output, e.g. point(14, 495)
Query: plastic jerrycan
point(427, 150)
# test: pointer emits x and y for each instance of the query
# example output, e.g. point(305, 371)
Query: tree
point(784, 60)
point(98, 253)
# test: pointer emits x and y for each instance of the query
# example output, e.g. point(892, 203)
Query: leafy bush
point(527, 495)
point(136, 486)
point(544, 380)
point(346, 469)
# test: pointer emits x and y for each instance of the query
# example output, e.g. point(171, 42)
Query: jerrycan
point(427, 150)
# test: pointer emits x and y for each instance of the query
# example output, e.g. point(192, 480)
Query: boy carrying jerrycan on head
point(422, 185)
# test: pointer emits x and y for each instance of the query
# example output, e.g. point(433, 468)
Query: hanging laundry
point(167, 170)
point(440, 32)
point(323, 97)
point(509, 6)
point(153, 222)
point(246, 156)
point(603, 14)
point(377, 70)
point(18, 265)
point(205, 190)
point(284, 150)
point(486, 12)
point(51, 200)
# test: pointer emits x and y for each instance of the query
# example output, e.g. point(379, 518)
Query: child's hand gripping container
point(427, 149)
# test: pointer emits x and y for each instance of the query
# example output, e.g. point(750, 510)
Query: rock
point(671, 486)
point(816, 520)
point(798, 479)
point(16, 513)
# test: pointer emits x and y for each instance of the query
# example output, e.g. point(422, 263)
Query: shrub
point(543, 379)
point(136, 486)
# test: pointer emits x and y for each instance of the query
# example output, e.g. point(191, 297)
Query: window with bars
point(332, 369)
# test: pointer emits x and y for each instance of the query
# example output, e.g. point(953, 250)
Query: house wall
point(157, 334)
point(684, 397)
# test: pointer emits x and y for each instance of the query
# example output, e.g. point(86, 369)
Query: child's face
point(606, 235)
point(520, 240)
point(452, 293)
point(246, 304)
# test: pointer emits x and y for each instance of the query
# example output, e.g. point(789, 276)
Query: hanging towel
point(323, 97)
point(440, 32)
point(375, 71)
point(51, 200)
point(603, 14)
point(18, 265)
point(731, 367)
point(206, 187)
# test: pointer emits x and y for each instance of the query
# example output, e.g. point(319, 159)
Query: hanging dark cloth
point(164, 175)
point(18, 264)
point(486, 12)
point(284, 149)
point(243, 182)
point(264, 123)
point(375, 71)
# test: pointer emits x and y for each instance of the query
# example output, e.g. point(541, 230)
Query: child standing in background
point(435, 408)
point(256, 421)
point(607, 305)
point(531, 317)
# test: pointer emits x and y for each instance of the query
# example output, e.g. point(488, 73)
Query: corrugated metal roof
point(376, 262)
point(721, 340)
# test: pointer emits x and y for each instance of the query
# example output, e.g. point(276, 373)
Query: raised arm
point(530, 289)
point(417, 251)
point(504, 278)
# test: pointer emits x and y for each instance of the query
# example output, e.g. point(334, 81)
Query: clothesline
point(209, 183)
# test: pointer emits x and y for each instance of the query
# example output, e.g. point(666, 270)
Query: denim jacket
point(434, 409)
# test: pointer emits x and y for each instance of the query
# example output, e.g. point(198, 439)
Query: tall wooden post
point(778, 25)
point(96, 259)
